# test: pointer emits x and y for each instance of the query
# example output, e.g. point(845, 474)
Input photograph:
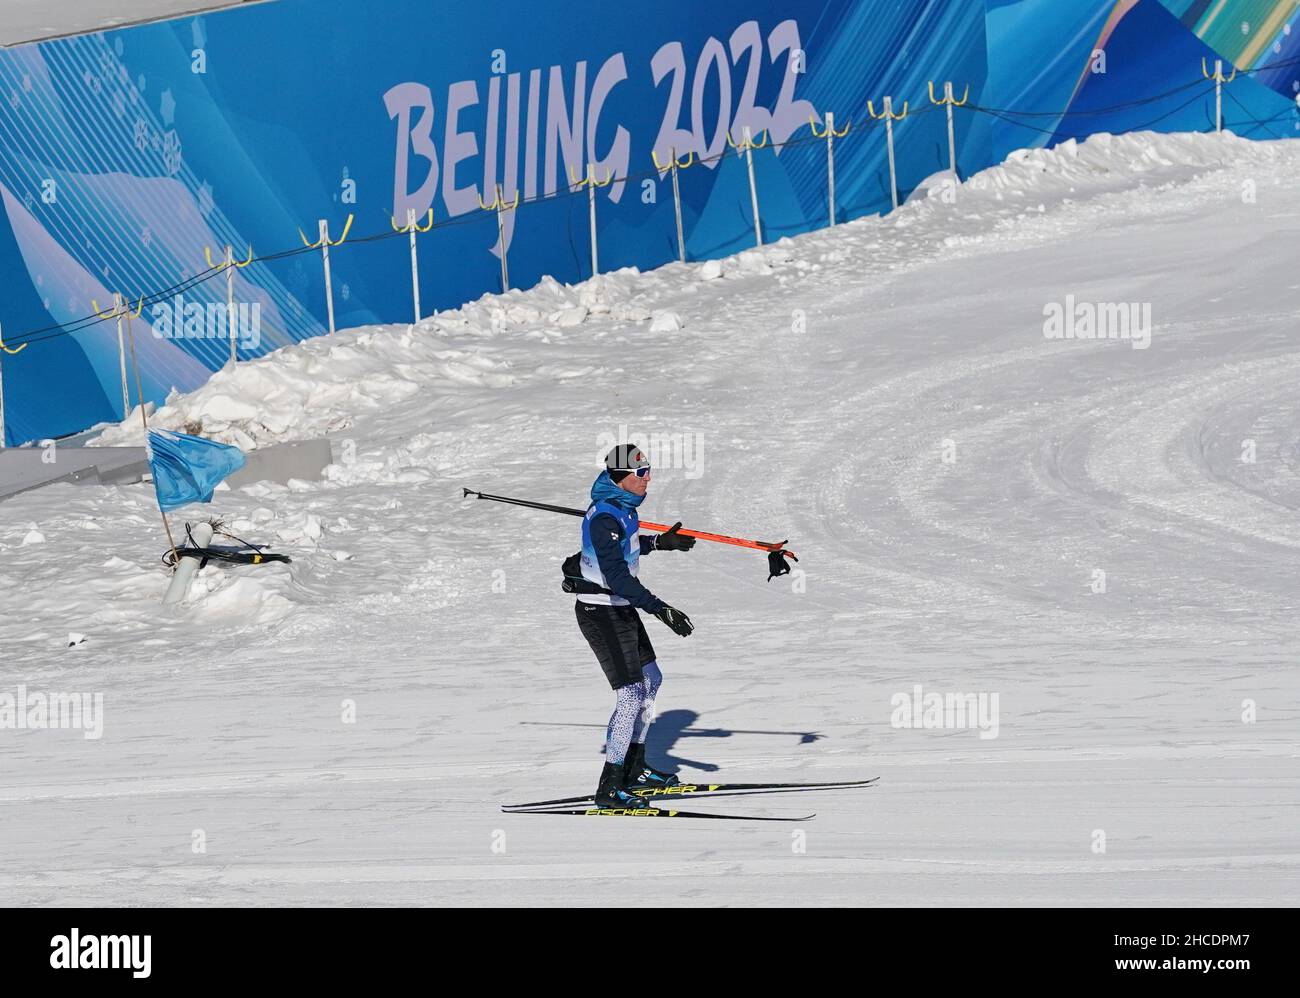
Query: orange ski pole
point(742, 542)
point(776, 552)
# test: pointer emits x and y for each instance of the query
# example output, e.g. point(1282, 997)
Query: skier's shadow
point(669, 728)
point(672, 726)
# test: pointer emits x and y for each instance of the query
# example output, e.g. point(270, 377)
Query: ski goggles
point(642, 472)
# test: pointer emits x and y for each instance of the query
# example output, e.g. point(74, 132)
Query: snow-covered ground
point(884, 395)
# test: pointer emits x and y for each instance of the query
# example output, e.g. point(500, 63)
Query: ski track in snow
point(1119, 710)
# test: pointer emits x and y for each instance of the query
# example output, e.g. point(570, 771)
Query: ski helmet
point(625, 459)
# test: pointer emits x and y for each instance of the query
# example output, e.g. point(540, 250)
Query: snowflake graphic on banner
point(172, 153)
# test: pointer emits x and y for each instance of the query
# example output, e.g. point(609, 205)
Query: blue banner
point(130, 159)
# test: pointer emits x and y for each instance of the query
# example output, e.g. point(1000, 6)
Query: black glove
point(671, 540)
point(777, 564)
point(678, 621)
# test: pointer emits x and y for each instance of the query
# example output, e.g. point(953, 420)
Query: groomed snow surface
point(882, 394)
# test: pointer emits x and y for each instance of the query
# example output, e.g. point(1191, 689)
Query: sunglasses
point(639, 472)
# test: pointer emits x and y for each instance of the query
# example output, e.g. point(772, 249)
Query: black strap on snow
point(236, 556)
point(249, 554)
point(574, 582)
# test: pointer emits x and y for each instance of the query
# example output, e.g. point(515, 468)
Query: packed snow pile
point(327, 384)
point(1114, 162)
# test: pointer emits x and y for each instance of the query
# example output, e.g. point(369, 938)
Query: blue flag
point(187, 469)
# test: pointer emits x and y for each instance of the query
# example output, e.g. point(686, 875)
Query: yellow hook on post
point(1217, 76)
point(498, 203)
point(887, 113)
point(832, 130)
point(681, 164)
point(590, 179)
point(333, 242)
point(947, 98)
point(412, 226)
point(110, 314)
point(748, 143)
point(347, 227)
point(117, 313)
point(207, 255)
point(11, 350)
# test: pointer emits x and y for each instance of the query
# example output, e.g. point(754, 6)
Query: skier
point(608, 600)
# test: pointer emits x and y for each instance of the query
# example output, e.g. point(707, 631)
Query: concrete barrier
point(304, 459)
point(25, 468)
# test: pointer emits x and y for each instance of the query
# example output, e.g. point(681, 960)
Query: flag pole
point(144, 419)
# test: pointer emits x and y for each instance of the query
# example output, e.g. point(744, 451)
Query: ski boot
point(610, 792)
point(638, 775)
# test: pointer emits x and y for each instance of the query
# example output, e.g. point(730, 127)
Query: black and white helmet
point(625, 459)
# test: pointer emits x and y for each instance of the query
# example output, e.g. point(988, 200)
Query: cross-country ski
point(653, 812)
point(660, 794)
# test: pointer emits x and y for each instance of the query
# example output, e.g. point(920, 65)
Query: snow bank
point(327, 384)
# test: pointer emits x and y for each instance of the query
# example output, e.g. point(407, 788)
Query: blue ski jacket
point(612, 547)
